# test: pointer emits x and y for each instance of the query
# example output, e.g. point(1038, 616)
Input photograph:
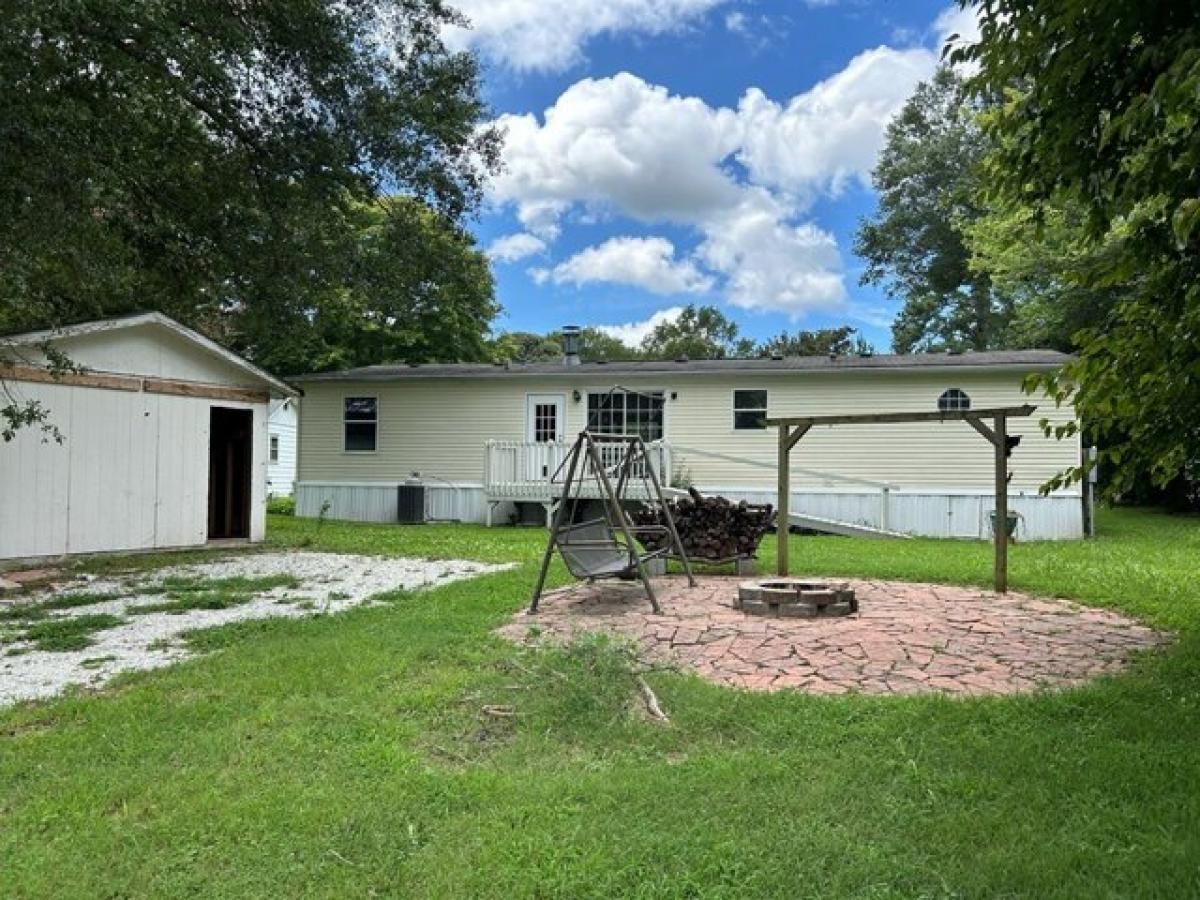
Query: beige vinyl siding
point(435, 427)
point(438, 427)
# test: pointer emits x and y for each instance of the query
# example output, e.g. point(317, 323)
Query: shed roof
point(1023, 360)
point(277, 385)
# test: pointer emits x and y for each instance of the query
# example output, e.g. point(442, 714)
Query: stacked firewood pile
point(711, 528)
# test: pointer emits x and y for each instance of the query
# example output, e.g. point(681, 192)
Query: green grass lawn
point(348, 756)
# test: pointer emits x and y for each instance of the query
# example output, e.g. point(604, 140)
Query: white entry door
point(545, 428)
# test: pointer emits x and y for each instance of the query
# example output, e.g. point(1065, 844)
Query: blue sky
point(665, 152)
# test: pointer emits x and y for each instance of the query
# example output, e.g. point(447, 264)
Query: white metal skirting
point(957, 514)
point(364, 502)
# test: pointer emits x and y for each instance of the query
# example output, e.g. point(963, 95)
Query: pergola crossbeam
point(793, 428)
point(900, 417)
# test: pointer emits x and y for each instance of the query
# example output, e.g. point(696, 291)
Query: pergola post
point(783, 502)
point(1000, 528)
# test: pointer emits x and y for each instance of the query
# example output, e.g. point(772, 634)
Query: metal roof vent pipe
point(570, 345)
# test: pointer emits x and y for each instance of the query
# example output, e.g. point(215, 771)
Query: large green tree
point(224, 162)
point(1031, 257)
point(699, 332)
point(840, 341)
point(928, 188)
point(525, 347)
point(1102, 113)
point(412, 287)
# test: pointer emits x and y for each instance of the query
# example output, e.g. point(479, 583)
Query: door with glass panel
point(545, 429)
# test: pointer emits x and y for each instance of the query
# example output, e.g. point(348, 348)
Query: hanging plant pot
point(1013, 519)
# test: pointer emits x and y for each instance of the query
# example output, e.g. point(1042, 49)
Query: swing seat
point(591, 550)
point(607, 546)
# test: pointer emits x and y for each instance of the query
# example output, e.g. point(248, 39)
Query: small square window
point(274, 448)
point(360, 424)
point(749, 410)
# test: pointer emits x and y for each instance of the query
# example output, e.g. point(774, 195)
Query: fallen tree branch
point(651, 701)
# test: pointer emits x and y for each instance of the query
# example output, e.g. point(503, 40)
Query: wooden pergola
point(792, 429)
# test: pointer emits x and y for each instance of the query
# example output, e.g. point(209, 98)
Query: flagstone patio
point(905, 638)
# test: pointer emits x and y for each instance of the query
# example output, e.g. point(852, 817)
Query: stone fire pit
point(794, 598)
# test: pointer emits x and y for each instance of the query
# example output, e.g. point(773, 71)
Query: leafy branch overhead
point(226, 164)
point(1106, 131)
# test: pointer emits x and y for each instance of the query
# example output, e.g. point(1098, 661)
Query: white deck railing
point(525, 470)
point(528, 471)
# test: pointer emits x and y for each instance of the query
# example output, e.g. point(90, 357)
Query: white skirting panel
point(376, 502)
point(959, 514)
point(928, 514)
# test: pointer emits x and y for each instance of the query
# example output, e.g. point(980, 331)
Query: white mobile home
point(480, 439)
point(281, 446)
point(164, 441)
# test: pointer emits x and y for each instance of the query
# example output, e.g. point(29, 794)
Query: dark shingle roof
point(1000, 359)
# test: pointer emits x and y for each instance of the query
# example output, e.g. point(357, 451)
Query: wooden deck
point(527, 472)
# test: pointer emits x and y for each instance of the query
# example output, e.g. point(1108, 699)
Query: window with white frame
point(274, 448)
point(545, 422)
point(627, 412)
point(749, 410)
point(954, 400)
point(360, 421)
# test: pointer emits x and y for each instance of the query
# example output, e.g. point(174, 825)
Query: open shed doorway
point(229, 472)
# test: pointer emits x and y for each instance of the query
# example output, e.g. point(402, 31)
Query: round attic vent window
point(954, 400)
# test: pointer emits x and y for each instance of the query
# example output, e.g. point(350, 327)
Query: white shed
point(164, 444)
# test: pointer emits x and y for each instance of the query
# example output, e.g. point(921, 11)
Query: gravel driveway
point(323, 583)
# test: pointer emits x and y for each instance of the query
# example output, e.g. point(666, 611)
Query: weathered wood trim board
point(133, 384)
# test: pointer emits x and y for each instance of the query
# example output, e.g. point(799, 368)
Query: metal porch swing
point(591, 529)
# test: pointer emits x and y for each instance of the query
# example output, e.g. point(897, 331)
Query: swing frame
point(585, 453)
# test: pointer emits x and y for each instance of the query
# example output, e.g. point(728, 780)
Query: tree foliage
point(528, 347)
point(914, 246)
point(840, 341)
point(225, 163)
point(1101, 114)
point(699, 332)
point(1031, 257)
point(413, 287)
point(525, 347)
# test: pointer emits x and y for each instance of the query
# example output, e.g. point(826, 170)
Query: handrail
point(830, 476)
point(521, 482)
point(524, 464)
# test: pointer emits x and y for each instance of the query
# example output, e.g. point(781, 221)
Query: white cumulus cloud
point(621, 143)
point(957, 26)
point(834, 131)
point(631, 334)
point(647, 263)
point(771, 264)
point(514, 247)
point(742, 179)
point(549, 35)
